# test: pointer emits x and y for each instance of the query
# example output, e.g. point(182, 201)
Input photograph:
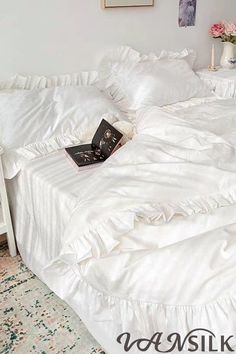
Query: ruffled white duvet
point(149, 244)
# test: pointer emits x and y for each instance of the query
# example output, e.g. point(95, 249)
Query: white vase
point(228, 59)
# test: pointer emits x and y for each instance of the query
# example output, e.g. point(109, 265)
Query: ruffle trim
point(34, 150)
point(15, 159)
point(188, 54)
point(156, 315)
point(142, 317)
point(31, 82)
point(221, 87)
point(128, 54)
point(120, 54)
point(103, 236)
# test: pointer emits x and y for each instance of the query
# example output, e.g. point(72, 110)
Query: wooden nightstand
point(5, 216)
point(222, 82)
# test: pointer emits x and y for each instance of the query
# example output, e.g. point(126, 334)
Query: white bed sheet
point(43, 198)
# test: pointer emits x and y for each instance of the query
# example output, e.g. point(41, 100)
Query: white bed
point(144, 243)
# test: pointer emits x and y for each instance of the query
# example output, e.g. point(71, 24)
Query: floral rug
point(33, 319)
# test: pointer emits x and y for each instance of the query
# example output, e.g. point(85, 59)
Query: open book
point(105, 141)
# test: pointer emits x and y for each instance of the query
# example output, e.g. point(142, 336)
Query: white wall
point(60, 36)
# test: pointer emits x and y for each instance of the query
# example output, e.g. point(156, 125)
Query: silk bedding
point(145, 242)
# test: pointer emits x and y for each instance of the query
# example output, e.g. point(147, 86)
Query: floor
point(33, 319)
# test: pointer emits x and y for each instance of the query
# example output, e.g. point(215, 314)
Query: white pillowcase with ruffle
point(135, 81)
point(36, 122)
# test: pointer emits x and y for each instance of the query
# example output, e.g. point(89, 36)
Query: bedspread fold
point(103, 235)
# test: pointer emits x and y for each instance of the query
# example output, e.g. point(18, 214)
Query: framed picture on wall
point(126, 3)
point(187, 13)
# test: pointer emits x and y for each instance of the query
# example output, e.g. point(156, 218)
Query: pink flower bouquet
point(224, 30)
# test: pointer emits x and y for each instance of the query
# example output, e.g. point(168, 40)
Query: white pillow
point(36, 122)
point(136, 81)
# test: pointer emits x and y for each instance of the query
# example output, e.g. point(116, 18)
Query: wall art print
point(187, 13)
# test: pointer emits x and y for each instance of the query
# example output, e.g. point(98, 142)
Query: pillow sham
point(36, 122)
point(136, 81)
